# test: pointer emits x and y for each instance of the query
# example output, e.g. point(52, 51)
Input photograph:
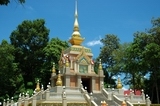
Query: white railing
point(93, 103)
point(117, 100)
point(105, 93)
point(129, 103)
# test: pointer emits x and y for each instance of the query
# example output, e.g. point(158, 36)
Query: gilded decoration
point(83, 61)
point(119, 84)
point(78, 49)
point(37, 86)
point(59, 80)
point(53, 68)
point(82, 56)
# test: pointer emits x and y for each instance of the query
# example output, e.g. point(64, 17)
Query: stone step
point(98, 97)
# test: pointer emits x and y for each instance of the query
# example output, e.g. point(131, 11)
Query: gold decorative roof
point(76, 38)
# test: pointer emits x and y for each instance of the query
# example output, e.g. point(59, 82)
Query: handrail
point(129, 103)
point(105, 93)
point(117, 100)
point(86, 96)
point(93, 103)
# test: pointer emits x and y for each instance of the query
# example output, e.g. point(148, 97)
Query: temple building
point(76, 64)
point(77, 84)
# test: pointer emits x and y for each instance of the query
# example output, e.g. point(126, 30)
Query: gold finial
point(67, 61)
point(123, 103)
point(59, 80)
point(103, 103)
point(119, 84)
point(100, 65)
point(53, 68)
point(37, 86)
point(76, 36)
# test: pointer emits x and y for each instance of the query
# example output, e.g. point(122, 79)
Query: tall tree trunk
point(134, 83)
point(157, 93)
point(152, 92)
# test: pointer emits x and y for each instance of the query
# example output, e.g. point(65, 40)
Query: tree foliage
point(52, 53)
point(29, 40)
point(142, 59)
point(6, 2)
point(11, 78)
point(110, 43)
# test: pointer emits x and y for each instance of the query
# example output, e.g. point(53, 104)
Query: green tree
point(142, 58)
point(29, 40)
point(52, 52)
point(110, 43)
point(11, 79)
point(119, 56)
point(6, 2)
point(152, 55)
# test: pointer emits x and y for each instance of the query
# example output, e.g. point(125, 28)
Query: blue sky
point(96, 18)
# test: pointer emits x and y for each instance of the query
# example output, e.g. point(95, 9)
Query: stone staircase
point(98, 97)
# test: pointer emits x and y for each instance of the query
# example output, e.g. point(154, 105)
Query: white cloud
point(30, 8)
point(94, 42)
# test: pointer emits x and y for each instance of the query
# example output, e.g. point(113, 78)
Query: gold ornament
point(119, 84)
point(59, 80)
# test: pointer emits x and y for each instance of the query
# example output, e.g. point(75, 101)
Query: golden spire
point(53, 68)
point(100, 65)
point(76, 25)
point(59, 80)
point(76, 36)
point(37, 87)
point(119, 84)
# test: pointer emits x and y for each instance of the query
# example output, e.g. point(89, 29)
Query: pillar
point(93, 83)
point(78, 81)
point(67, 80)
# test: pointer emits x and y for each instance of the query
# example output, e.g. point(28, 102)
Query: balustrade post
point(34, 100)
point(131, 94)
point(7, 101)
point(47, 94)
point(12, 102)
point(143, 95)
point(64, 100)
point(26, 100)
point(126, 97)
point(112, 94)
point(4, 102)
point(148, 102)
point(91, 98)
point(19, 100)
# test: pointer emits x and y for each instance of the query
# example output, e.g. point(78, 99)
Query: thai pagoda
point(76, 83)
